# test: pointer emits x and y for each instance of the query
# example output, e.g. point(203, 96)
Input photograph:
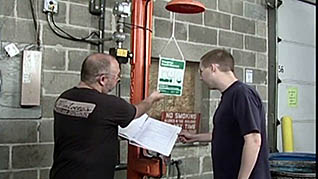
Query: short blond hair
point(219, 56)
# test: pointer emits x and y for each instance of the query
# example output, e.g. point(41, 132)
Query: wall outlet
point(50, 6)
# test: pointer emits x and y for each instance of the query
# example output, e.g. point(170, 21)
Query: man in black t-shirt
point(86, 120)
point(239, 145)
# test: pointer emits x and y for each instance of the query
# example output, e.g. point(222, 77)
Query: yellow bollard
point(287, 134)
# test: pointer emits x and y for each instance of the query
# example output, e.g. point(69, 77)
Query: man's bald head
point(94, 65)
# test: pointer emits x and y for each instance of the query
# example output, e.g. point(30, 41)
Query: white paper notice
point(248, 76)
point(151, 134)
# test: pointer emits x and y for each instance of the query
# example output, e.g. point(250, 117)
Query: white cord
point(173, 38)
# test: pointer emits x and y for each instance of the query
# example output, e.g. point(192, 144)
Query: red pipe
point(139, 166)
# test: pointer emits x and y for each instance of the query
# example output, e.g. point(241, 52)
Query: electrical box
point(122, 55)
point(11, 50)
point(50, 6)
point(31, 78)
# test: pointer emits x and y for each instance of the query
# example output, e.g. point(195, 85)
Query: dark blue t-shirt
point(239, 113)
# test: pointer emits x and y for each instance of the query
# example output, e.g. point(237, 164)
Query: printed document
point(151, 134)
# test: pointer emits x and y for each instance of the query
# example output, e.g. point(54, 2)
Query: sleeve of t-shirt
point(246, 111)
point(123, 112)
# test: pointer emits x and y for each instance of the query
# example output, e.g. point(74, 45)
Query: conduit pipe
point(142, 10)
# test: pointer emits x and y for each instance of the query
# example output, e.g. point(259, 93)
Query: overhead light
point(185, 6)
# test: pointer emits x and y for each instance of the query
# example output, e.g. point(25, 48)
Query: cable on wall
point(65, 35)
point(35, 22)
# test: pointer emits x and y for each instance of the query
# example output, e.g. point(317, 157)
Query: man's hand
point(155, 96)
point(187, 137)
point(146, 104)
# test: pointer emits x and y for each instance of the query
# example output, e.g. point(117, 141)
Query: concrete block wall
point(26, 144)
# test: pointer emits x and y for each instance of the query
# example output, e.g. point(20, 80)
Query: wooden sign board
point(188, 121)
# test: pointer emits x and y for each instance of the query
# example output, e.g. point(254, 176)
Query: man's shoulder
point(238, 87)
point(83, 95)
point(91, 95)
point(243, 88)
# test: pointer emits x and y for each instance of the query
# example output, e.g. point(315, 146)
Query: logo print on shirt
point(73, 108)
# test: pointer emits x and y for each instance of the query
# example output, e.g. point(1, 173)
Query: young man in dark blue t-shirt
point(239, 145)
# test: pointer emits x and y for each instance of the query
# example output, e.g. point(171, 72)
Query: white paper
point(151, 134)
point(133, 128)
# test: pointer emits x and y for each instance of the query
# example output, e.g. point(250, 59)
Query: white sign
point(248, 76)
point(170, 76)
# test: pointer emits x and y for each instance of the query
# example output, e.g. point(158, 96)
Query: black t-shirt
point(239, 113)
point(86, 133)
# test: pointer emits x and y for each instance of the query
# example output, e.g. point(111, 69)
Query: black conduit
point(102, 26)
point(176, 163)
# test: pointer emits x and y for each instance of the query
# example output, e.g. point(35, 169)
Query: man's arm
point(146, 104)
point(249, 154)
point(186, 137)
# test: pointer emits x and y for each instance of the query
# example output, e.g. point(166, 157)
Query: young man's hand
point(186, 137)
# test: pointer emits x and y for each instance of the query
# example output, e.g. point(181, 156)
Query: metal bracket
point(279, 3)
point(272, 5)
point(95, 8)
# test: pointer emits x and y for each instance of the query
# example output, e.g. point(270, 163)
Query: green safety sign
point(170, 76)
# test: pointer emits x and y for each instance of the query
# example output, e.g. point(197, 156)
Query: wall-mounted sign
point(248, 76)
point(170, 76)
point(292, 96)
point(187, 121)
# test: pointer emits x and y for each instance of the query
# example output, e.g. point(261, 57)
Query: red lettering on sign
point(188, 121)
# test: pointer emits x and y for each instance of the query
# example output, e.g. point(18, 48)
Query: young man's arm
point(250, 153)
point(186, 137)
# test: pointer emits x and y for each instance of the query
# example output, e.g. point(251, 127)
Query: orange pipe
point(139, 166)
point(137, 48)
point(136, 84)
point(148, 44)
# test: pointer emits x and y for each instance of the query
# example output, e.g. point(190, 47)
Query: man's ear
point(102, 80)
point(212, 67)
